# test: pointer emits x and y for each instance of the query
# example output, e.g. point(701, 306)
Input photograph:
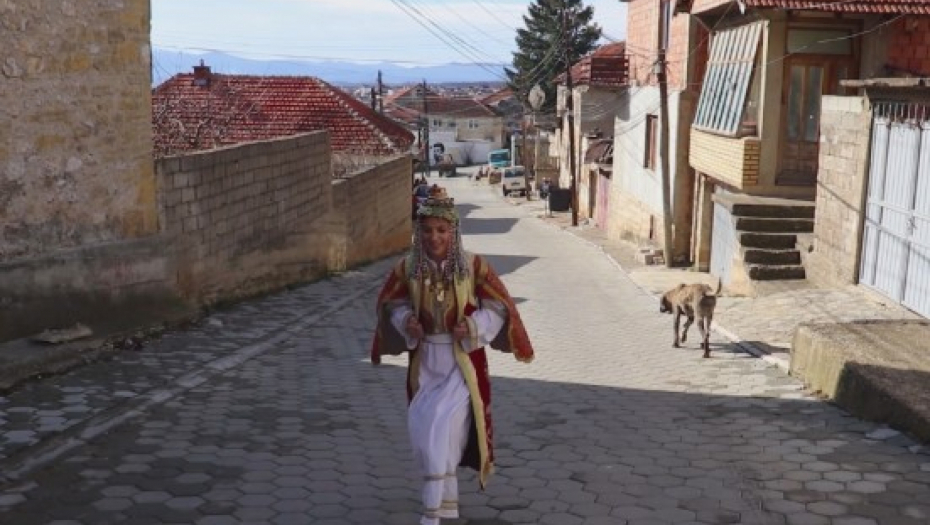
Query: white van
point(514, 180)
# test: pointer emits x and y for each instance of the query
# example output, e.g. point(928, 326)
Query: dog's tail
point(719, 286)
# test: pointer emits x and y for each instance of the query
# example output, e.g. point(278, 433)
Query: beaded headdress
point(441, 206)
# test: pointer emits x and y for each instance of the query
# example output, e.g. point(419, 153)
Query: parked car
point(514, 180)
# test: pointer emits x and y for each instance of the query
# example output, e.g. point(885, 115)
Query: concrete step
point(772, 257)
point(773, 241)
point(764, 272)
point(760, 224)
point(801, 210)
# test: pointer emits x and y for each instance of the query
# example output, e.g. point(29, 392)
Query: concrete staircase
point(767, 231)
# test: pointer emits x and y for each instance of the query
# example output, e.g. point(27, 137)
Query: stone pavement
point(762, 325)
point(268, 413)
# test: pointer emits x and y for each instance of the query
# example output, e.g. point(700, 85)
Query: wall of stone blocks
point(242, 218)
point(371, 215)
point(841, 182)
point(78, 209)
point(75, 146)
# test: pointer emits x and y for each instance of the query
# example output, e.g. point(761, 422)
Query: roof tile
point(232, 109)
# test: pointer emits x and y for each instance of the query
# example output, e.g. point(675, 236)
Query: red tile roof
point(497, 96)
point(439, 105)
point(606, 66)
point(917, 7)
point(233, 109)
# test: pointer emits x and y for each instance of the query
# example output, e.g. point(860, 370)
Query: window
point(652, 139)
point(437, 123)
point(729, 80)
point(451, 124)
point(472, 124)
point(815, 41)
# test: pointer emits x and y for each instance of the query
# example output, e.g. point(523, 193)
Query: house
point(460, 126)
point(636, 199)
point(204, 110)
point(757, 141)
point(599, 89)
point(506, 103)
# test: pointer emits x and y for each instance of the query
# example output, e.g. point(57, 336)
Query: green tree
point(542, 50)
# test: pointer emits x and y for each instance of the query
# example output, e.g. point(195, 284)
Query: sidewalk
point(763, 326)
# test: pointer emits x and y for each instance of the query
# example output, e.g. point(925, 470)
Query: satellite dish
point(537, 97)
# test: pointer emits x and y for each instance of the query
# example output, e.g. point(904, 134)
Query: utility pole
point(662, 79)
point(426, 151)
point(570, 105)
point(526, 168)
point(380, 94)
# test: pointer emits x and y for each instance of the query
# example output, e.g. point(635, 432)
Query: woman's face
point(437, 237)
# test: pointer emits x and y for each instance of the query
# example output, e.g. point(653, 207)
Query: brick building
point(635, 193)
point(756, 143)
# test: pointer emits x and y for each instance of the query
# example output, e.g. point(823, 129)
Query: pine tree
point(541, 53)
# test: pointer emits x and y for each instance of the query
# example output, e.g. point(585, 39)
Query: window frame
point(730, 72)
point(650, 153)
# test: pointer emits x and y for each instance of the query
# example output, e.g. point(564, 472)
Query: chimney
point(202, 75)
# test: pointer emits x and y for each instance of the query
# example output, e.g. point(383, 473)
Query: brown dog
point(692, 300)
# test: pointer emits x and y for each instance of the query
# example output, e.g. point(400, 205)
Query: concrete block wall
point(240, 217)
point(632, 220)
point(370, 217)
point(75, 146)
point(841, 182)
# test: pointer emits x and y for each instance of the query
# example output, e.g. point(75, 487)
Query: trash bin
point(560, 199)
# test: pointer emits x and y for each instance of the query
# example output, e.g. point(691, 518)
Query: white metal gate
point(723, 243)
point(896, 238)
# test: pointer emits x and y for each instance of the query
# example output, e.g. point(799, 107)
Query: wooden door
point(807, 79)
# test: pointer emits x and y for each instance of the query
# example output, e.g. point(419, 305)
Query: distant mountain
point(167, 63)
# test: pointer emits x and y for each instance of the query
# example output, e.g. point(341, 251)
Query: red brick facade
point(642, 45)
point(909, 46)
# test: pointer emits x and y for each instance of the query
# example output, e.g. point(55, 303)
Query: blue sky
point(355, 30)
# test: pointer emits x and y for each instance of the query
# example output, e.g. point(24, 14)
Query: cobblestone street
point(270, 413)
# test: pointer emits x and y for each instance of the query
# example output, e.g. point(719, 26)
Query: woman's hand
point(460, 331)
point(414, 328)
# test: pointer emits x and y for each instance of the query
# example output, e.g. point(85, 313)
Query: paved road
point(270, 413)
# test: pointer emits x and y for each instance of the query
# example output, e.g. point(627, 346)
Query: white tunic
point(439, 416)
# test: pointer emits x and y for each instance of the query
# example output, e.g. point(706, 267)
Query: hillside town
point(240, 298)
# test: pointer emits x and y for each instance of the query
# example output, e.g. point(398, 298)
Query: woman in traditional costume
point(443, 306)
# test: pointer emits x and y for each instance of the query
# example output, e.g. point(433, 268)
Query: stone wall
point(75, 146)
point(78, 212)
point(240, 217)
point(844, 153)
